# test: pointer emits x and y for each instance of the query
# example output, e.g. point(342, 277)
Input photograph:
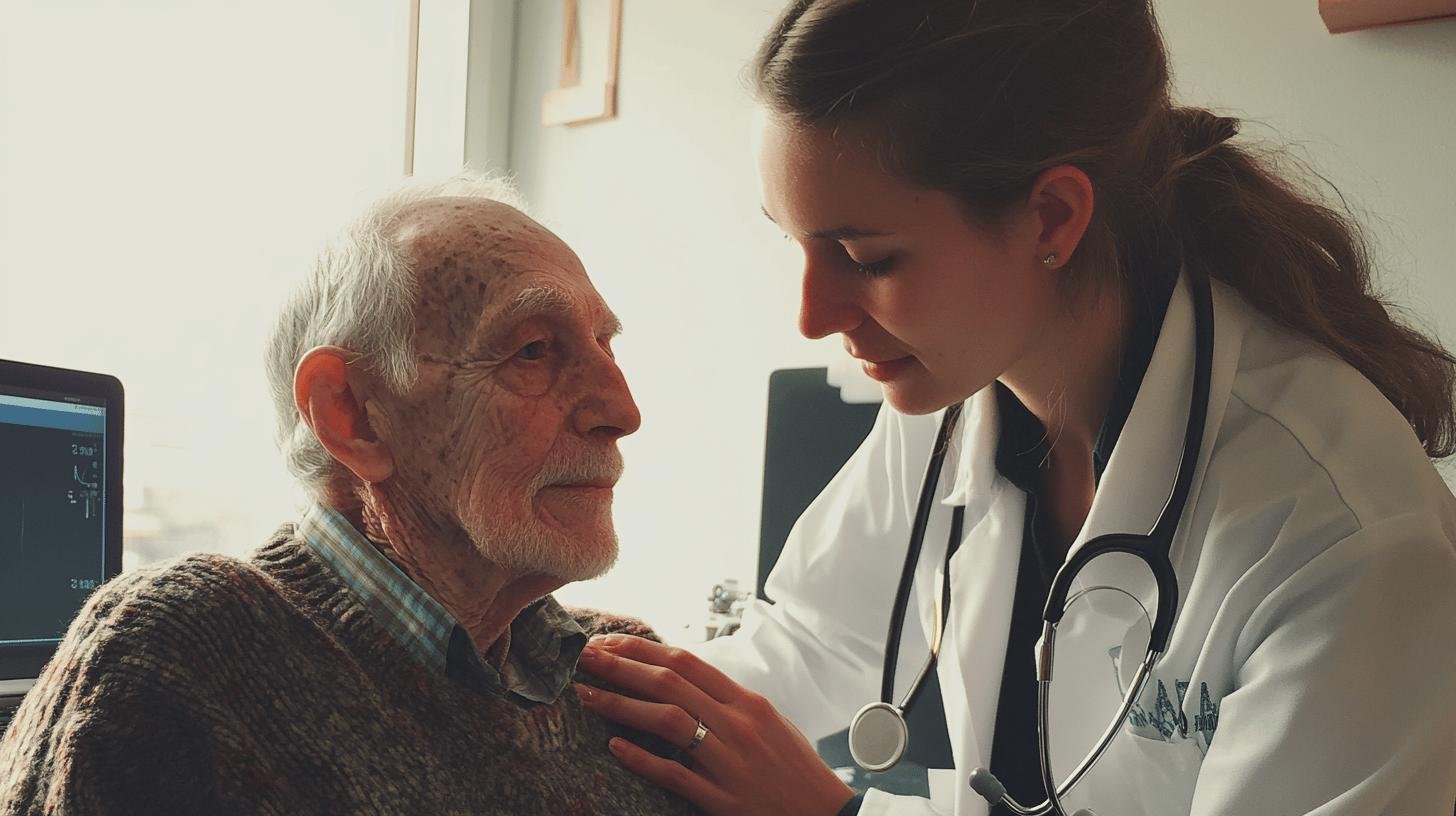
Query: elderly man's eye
point(533, 351)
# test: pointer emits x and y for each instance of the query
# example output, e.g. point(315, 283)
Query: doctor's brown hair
point(977, 98)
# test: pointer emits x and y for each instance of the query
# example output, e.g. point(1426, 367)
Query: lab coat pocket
point(1147, 775)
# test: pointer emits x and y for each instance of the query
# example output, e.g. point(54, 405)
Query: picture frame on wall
point(1341, 16)
point(590, 50)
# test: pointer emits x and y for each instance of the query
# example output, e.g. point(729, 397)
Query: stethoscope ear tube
point(1154, 547)
point(1152, 552)
point(878, 734)
point(912, 554)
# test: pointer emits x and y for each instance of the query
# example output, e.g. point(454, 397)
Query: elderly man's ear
point(337, 413)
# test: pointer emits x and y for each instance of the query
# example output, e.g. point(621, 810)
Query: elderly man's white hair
point(359, 297)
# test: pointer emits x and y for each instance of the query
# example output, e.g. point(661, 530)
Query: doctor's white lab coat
point(1313, 662)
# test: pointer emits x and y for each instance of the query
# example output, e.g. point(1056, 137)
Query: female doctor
point(1092, 315)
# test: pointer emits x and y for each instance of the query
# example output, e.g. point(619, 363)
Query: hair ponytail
point(1304, 264)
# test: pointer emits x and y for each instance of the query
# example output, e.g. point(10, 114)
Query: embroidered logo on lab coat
point(1162, 715)
point(1161, 719)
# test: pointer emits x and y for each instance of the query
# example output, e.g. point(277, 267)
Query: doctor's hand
point(751, 761)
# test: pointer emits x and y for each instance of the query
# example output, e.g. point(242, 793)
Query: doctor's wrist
point(851, 808)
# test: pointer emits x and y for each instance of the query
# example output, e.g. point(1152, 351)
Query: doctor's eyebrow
point(845, 233)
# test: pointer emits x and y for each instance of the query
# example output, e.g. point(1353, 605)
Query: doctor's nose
point(825, 304)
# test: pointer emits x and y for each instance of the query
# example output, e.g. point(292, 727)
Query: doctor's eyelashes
point(876, 269)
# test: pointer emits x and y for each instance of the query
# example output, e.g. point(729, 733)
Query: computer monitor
point(60, 505)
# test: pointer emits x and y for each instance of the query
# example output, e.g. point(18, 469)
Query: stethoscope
point(878, 734)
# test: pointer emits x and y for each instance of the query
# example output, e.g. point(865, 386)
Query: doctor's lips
point(884, 370)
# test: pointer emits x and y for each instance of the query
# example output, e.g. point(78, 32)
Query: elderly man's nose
point(608, 409)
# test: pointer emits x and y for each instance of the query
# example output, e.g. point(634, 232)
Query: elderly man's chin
point(572, 546)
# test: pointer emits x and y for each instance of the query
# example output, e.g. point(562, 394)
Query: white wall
point(167, 171)
point(662, 205)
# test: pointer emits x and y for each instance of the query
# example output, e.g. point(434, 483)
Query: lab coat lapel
point(1132, 493)
point(983, 579)
point(1140, 473)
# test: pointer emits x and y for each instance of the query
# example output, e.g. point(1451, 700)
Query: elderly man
point(446, 388)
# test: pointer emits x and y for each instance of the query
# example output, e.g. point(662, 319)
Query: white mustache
point(590, 466)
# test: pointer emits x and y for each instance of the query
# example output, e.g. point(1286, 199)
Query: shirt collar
point(545, 641)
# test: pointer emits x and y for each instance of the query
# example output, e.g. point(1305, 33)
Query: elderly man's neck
point(446, 563)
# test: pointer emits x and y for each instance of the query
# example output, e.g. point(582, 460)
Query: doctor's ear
point(337, 413)
point(1061, 207)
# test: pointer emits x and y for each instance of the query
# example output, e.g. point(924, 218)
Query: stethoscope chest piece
point(878, 736)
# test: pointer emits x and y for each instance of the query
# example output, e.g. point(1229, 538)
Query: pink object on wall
point(1349, 15)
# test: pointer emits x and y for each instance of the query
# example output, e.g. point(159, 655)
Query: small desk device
point(60, 510)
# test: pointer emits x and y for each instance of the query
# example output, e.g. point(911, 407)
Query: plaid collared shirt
point(545, 641)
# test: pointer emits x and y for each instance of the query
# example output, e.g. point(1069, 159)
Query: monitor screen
point(53, 510)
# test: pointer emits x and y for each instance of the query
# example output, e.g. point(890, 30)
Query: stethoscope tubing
point(912, 558)
point(1153, 549)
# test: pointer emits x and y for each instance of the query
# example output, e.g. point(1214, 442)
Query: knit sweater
point(213, 685)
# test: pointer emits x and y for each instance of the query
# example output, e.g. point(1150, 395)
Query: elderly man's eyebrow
point(844, 233)
point(547, 301)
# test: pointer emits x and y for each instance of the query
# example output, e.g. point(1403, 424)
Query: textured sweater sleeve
point(597, 622)
point(104, 731)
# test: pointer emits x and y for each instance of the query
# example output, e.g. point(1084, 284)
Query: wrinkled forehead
point(474, 258)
